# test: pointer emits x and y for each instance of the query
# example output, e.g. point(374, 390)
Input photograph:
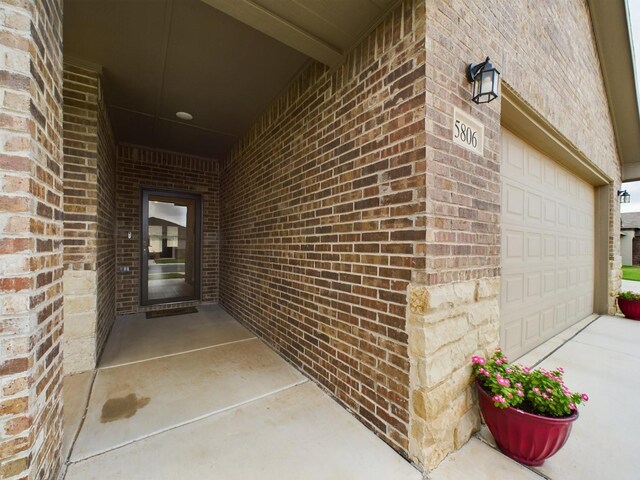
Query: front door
point(170, 248)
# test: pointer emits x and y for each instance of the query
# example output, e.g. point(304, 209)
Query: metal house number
point(468, 132)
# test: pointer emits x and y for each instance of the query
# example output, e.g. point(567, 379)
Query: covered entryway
point(309, 178)
point(547, 249)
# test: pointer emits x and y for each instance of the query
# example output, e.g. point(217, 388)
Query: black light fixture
point(624, 196)
point(485, 79)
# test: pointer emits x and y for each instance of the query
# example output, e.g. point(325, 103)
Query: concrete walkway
point(601, 356)
point(200, 397)
point(630, 285)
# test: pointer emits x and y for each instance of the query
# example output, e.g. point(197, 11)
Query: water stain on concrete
point(122, 407)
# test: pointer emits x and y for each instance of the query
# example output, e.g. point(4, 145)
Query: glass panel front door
point(170, 247)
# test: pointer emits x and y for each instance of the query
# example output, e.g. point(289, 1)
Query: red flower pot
point(522, 436)
point(629, 308)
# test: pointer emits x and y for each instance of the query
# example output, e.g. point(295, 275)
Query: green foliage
point(535, 391)
point(629, 295)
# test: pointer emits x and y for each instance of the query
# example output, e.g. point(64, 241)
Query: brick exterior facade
point(456, 300)
point(140, 168)
point(354, 236)
point(307, 197)
point(30, 239)
point(89, 223)
point(323, 222)
point(106, 226)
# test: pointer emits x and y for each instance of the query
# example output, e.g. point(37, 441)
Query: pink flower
point(505, 359)
point(526, 370)
point(487, 374)
point(560, 369)
point(545, 396)
point(549, 390)
point(536, 390)
point(508, 370)
point(518, 385)
point(572, 406)
point(585, 397)
point(509, 395)
point(520, 393)
point(477, 360)
point(499, 399)
point(504, 382)
point(498, 362)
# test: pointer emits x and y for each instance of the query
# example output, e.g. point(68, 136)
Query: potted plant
point(528, 411)
point(629, 304)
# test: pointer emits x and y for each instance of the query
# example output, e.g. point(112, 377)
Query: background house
point(629, 243)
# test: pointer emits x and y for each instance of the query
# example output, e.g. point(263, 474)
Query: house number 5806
point(466, 134)
point(467, 131)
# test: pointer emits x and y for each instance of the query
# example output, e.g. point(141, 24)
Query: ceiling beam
point(613, 40)
point(277, 27)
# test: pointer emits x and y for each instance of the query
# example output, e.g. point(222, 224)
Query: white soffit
point(613, 39)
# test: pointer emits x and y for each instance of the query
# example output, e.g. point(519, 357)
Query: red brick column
point(30, 238)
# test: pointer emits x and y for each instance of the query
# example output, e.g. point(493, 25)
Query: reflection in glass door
point(170, 249)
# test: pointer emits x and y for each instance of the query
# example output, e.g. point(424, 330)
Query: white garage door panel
point(547, 247)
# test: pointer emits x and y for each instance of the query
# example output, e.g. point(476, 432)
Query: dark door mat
point(171, 311)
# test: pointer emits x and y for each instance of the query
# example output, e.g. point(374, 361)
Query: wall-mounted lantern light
point(485, 79)
point(624, 196)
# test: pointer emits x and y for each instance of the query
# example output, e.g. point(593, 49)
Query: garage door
point(547, 250)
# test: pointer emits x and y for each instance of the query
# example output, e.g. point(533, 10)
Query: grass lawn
point(162, 261)
point(631, 273)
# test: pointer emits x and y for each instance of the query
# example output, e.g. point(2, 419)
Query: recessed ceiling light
point(184, 116)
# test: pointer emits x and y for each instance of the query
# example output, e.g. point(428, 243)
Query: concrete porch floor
point(199, 396)
point(601, 356)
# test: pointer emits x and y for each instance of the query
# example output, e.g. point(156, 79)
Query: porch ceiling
point(159, 57)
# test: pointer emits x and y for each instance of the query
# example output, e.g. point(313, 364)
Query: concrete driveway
point(631, 285)
point(601, 356)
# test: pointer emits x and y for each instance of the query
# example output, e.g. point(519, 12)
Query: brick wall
point(30, 238)
point(538, 47)
point(521, 37)
point(144, 168)
point(89, 226)
point(615, 258)
point(106, 226)
point(323, 221)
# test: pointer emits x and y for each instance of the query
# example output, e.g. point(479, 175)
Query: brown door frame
point(144, 242)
